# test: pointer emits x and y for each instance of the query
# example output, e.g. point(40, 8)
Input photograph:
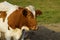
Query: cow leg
point(2, 36)
point(16, 37)
point(7, 36)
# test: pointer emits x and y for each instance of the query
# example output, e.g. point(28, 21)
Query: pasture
point(50, 9)
point(50, 17)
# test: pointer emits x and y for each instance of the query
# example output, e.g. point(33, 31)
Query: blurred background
point(50, 17)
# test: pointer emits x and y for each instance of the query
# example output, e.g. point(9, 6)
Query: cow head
point(30, 20)
point(22, 17)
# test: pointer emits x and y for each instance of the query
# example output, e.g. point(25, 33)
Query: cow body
point(7, 8)
point(15, 20)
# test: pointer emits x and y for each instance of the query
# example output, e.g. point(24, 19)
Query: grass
point(50, 9)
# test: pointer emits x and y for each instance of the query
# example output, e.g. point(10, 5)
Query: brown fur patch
point(3, 15)
point(17, 19)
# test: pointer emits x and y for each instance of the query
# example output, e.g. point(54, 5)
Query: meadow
point(49, 8)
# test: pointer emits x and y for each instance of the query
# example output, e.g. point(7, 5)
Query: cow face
point(30, 20)
point(22, 17)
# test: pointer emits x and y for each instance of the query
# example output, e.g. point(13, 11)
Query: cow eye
point(25, 12)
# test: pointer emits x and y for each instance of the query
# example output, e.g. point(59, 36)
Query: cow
point(22, 17)
point(15, 19)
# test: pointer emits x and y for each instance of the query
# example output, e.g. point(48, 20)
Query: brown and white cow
point(14, 19)
point(22, 17)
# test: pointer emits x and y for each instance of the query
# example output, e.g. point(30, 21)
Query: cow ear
point(25, 12)
point(38, 12)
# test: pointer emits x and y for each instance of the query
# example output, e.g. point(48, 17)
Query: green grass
point(50, 9)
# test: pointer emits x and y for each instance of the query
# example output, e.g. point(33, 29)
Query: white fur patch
point(9, 8)
point(25, 27)
point(15, 33)
point(32, 9)
point(3, 25)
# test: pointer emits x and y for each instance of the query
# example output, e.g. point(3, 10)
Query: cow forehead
point(31, 8)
